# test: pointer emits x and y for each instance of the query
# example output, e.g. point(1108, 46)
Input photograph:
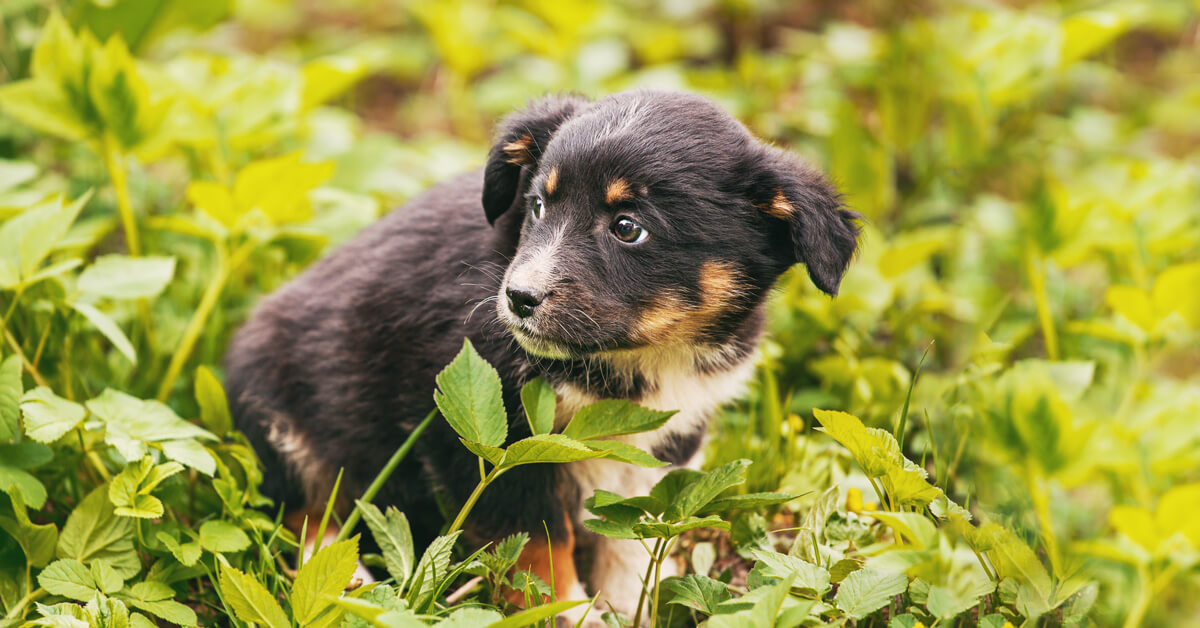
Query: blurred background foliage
point(1029, 170)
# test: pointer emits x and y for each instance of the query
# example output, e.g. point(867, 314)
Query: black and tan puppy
point(621, 248)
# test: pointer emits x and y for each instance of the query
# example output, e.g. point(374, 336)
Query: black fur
point(346, 354)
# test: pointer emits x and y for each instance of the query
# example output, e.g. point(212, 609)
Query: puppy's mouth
point(541, 346)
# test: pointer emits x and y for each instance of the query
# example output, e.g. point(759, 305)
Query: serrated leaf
point(186, 553)
point(494, 455)
point(469, 396)
point(433, 568)
point(913, 527)
point(539, 401)
point(614, 417)
point(534, 615)
point(624, 452)
point(868, 590)
point(698, 592)
point(251, 601)
point(68, 578)
point(749, 501)
point(703, 490)
point(547, 448)
point(93, 531)
point(325, 574)
point(190, 453)
point(125, 277)
point(394, 537)
point(807, 575)
point(106, 578)
point(48, 416)
point(220, 536)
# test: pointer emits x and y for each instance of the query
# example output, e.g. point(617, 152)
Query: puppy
point(619, 248)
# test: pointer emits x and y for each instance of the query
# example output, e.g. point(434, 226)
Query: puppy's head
point(651, 218)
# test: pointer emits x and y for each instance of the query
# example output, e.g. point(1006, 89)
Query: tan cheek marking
point(538, 556)
point(618, 191)
point(780, 207)
point(517, 151)
point(671, 318)
point(552, 180)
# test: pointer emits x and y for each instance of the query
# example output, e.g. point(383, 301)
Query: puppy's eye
point(628, 231)
point(539, 209)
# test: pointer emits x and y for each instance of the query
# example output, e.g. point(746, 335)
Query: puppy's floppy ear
point(823, 235)
point(520, 140)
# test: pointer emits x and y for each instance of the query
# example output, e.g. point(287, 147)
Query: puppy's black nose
point(522, 301)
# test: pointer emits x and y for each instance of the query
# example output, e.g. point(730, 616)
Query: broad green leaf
point(469, 396)
point(40, 104)
point(48, 416)
point(614, 417)
point(470, 617)
point(536, 614)
point(109, 328)
point(618, 450)
point(703, 490)
point(130, 423)
point(749, 501)
point(106, 578)
point(663, 529)
point(251, 601)
point(538, 398)
point(36, 541)
point(325, 574)
point(547, 448)
point(256, 187)
point(214, 406)
point(190, 453)
point(611, 529)
point(218, 536)
point(807, 575)
point(124, 277)
point(11, 389)
point(186, 553)
point(14, 173)
point(704, 554)
point(867, 590)
point(94, 532)
point(378, 616)
point(155, 598)
point(394, 538)
point(68, 578)
point(20, 484)
point(699, 592)
point(494, 455)
point(995, 620)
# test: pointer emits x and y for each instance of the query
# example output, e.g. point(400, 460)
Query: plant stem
point(18, 610)
point(637, 616)
point(1034, 268)
point(474, 497)
point(666, 551)
point(1041, 506)
point(115, 164)
point(16, 347)
point(369, 495)
point(212, 294)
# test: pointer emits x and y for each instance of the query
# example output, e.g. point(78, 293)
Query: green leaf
point(945, 603)
point(218, 536)
point(48, 416)
point(186, 553)
point(538, 398)
point(190, 453)
point(251, 601)
point(547, 448)
point(11, 389)
point(699, 592)
point(394, 538)
point(807, 575)
point(914, 527)
point(109, 328)
point(494, 455)
point(700, 492)
point(663, 529)
point(536, 614)
point(41, 105)
point(68, 578)
point(94, 532)
point(433, 568)
point(704, 554)
point(614, 417)
point(470, 617)
point(124, 277)
point(469, 396)
point(907, 621)
point(27, 239)
point(868, 590)
point(37, 541)
point(22, 485)
point(155, 598)
point(749, 501)
point(214, 406)
point(995, 620)
point(106, 578)
point(624, 452)
point(325, 574)
point(130, 423)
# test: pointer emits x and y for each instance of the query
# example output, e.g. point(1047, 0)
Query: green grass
point(1029, 175)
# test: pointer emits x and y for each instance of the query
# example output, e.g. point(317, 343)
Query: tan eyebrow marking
point(618, 191)
point(552, 180)
point(517, 151)
point(780, 207)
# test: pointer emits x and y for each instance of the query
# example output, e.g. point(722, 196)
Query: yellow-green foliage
point(1013, 358)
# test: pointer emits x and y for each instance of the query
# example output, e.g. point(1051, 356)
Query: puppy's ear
point(824, 236)
point(520, 140)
